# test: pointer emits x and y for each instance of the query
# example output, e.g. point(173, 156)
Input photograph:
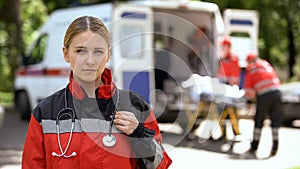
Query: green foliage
point(296, 70)
point(34, 15)
point(295, 167)
point(6, 99)
point(57, 4)
point(4, 68)
point(1, 2)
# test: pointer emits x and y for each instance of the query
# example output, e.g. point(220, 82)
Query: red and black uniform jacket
point(260, 78)
point(229, 70)
point(141, 149)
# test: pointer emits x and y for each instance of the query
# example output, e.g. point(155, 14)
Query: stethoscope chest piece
point(109, 140)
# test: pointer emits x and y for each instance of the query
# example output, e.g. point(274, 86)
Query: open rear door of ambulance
point(132, 51)
point(243, 27)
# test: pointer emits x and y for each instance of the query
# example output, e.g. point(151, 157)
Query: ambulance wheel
point(22, 105)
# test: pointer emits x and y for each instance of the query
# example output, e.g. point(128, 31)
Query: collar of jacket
point(105, 91)
point(230, 56)
point(256, 64)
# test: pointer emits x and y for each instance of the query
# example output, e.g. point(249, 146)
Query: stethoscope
point(109, 140)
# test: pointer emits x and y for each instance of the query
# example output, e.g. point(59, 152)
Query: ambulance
point(151, 42)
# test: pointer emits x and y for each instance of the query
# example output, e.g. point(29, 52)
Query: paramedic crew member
point(262, 83)
point(135, 129)
point(229, 70)
point(229, 73)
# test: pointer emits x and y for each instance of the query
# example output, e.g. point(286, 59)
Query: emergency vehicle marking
point(241, 22)
point(133, 15)
point(43, 72)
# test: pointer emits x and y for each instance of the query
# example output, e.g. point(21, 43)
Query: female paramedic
point(91, 123)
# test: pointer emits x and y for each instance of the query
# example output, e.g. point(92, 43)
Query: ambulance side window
point(38, 52)
point(131, 41)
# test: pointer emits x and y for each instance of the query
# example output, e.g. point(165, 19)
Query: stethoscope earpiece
point(66, 156)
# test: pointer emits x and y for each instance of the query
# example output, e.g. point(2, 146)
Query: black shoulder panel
point(49, 107)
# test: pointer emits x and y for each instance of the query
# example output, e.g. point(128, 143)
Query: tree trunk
point(10, 16)
point(291, 47)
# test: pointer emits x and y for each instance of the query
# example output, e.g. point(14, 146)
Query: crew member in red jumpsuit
point(262, 83)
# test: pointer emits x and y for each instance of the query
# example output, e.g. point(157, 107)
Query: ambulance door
point(242, 26)
point(132, 55)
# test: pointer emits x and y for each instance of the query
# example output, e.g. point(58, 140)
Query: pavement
point(210, 154)
point(185, 153)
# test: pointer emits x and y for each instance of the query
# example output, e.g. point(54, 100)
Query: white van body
point(136, 28)
point(242, 26)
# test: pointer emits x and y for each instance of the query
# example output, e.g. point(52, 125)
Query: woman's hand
point(126, 122)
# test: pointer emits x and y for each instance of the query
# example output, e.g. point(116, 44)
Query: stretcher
point(214, 100)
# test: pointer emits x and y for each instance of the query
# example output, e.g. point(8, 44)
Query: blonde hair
point(85, 23)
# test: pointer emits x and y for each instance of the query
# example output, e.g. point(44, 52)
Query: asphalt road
point(191, 154)
point(209, 154)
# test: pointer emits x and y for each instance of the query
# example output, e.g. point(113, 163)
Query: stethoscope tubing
point(61, 113)
point(108, 143)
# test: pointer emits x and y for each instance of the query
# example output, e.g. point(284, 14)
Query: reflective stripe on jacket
point(260, 78)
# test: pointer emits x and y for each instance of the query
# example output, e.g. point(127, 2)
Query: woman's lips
point(89, 70)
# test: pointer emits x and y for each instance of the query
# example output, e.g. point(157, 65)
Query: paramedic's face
point(226, 49)
point(88, 53)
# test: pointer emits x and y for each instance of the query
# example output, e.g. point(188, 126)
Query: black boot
point(254, 145)
point(274, 148)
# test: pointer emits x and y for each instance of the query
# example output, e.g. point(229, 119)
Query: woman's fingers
point(126, 121)
point(123, 115)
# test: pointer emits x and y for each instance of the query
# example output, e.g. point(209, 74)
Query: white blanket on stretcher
point(211, 86)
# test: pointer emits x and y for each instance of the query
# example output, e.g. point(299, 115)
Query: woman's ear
point(66, 54)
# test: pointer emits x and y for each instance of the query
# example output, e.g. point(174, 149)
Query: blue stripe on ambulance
point(138, 82)
point(133, 15)
point(241, 22)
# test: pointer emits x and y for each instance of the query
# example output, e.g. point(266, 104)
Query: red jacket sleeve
point(249, 85)
point(151, 123)
point(34, 153)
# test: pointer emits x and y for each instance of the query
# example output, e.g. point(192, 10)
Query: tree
point(290, 12)
point(12, 44)
point(56, 4)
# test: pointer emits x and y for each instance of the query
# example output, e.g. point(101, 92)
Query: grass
point(6, 99)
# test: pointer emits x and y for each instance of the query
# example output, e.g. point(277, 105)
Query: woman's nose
point(90, 59)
